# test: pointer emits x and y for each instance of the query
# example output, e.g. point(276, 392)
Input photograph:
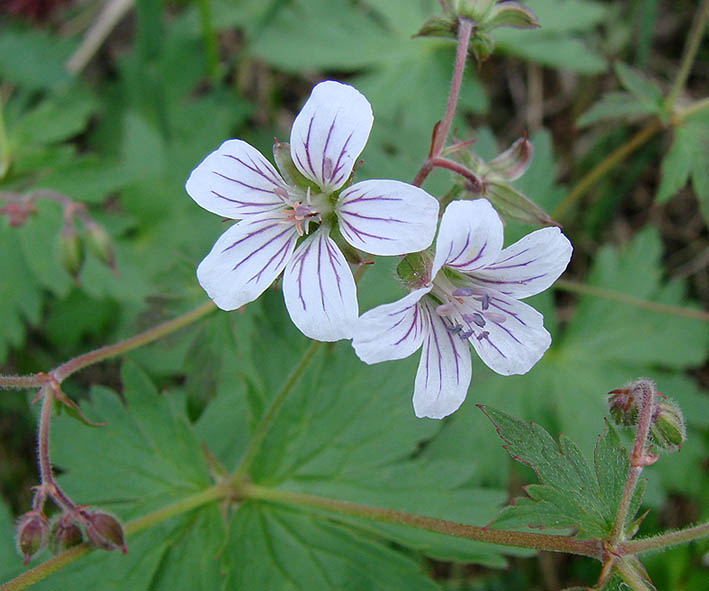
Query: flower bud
point(17, 212)
point(104, 531)
point(99, 243)
point(514, 161)
point(64, 533)
point(286, 166)
point(414, 270)
point(623, 407)
point(667, 429)
point(514, 205)
point(71, 250)
point(32, 530)
point(511, 14)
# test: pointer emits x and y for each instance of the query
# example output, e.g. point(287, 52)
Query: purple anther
point(483, 335)
point(466, 334)
point(478, 319)
point(485, 301)
point(462, 292)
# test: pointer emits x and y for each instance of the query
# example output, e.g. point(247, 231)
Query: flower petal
point(246, 259)
point(470, 236)
point(391, 331)
point(236, 181)
point(387, 217)
point(329, 134)
point(444, 371)
point(319, 289)
point(528, 266)
point(514, 344)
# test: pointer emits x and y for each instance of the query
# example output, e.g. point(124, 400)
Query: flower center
point(303, 207)
point(466, 309)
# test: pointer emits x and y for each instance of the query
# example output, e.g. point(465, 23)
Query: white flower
point(381, 217)
point(473, 298)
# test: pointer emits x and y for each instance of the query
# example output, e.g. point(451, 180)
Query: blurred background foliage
point(121, 131)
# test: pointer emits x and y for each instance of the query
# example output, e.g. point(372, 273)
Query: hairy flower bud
point(104, 531)
point(514, 161)
point(667, 429)
point(414, 270)
point(71, 250)
point(64, 533)
point(99, 243)
point(32, 530)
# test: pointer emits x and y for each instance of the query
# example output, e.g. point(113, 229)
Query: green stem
point(690, 51)
point(73, 365)
point(41, 571)
point(265, 422)
point(610, 161)
point(471, 532)
point(664, 540)
point(609, 294)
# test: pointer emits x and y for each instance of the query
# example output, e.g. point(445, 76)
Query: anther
point(462, 292)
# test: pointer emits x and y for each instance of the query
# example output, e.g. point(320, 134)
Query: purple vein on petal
point(509, 258)
point(414, 322)
point(360, 233)
point(524, 281)
point(306, 147)
point(271, 177)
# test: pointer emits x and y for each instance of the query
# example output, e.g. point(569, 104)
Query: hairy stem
point(664, 540)
point(440, 131)
point(465, 28)
point(471, 532)
point(23, 382)
point(72, 366)
point(276, 403)
point(644, 390)
point(609, 294)
point(690, 51)
point(43, 570)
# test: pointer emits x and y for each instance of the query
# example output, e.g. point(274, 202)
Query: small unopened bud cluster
point(35, 532)
point(485, 15)
point(667, 430)
point(72, 246)
point(32, 533)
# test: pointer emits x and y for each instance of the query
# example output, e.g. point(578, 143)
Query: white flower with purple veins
point(473, 298)
point(307, 200)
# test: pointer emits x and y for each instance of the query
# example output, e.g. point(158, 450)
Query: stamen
point(467, 334)
point(478, 319)
point(483, 335)
point(495, 317)
point(485, 299)
point(462, 292)
point(444, 309)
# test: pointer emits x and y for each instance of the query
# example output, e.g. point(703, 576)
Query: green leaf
point(614, 105)
point(571, 493)
point(641, 87)
point(149, 454)
point(275, 548)
point(556, 44)
point(685, 159)
point(19, 292)
point(40, 62)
